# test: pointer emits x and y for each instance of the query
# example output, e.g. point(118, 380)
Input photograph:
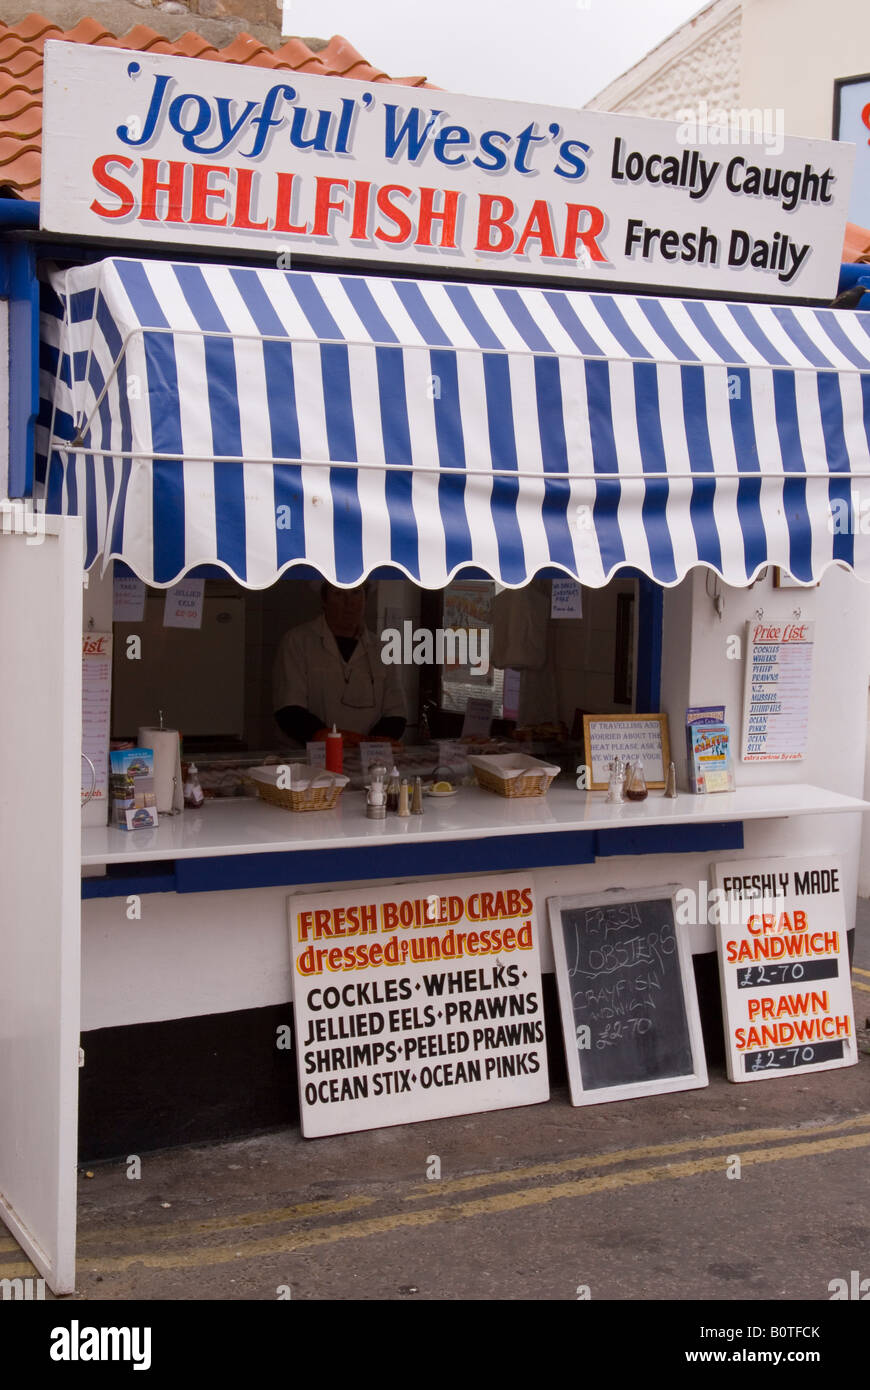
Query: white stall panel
point(40, 747)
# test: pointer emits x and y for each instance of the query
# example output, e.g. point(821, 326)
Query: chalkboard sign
point(627, 995)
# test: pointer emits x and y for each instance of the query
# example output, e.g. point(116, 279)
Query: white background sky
point(553, 52)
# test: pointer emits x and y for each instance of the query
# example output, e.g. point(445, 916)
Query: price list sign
point(416, 1002)
point(776, 700)
point(784, 967)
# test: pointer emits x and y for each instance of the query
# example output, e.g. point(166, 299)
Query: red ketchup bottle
point(334, 751)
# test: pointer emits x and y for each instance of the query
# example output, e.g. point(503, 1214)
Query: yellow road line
point(857, 985)
point(481, 1206)
point(167, 1231)
point(581, 1161)
point(856, 970)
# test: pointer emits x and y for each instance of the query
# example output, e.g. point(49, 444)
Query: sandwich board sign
point(784, 966)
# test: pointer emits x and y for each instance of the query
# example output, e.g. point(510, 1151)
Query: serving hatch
point(513, 774)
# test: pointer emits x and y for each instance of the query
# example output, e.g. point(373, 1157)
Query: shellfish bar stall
point(466, 600)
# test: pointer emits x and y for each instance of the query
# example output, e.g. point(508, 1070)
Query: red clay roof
point(21, 48)
point(856, 247)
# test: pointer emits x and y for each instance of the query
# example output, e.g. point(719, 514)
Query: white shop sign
point(776, 692)
point(199, 153)
point(412, 1002)
point(784, 966)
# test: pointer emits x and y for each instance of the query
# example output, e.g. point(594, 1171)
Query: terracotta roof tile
point(87, 30)
point(28, 125)
point(32, 27)
point(22, 63)
point(20, 89)
point(145, 39)
point(13, 148)
point(857, 244)
point(243, 48)
point(23, 174)
point(192, 45)
point(16, 102)
point(297, 55)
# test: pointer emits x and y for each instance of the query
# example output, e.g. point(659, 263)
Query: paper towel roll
point(166, 744)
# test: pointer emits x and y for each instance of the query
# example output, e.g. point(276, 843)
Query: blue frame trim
point(650, 613)
point(220, 873)
point(19, 283)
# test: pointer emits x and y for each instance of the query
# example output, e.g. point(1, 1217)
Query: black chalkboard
point(629, 1010)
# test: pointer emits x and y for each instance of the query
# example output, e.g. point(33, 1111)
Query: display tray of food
point(513, 774)
point(309, 788)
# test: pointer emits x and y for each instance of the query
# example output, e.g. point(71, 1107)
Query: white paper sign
point(478, 719)
point(628, 739)
point(205, 154)
point(372, 752)
point(511, 694)
point(183, 607)
point(416, 1001)
point(128, 599)
point(96, 710)
point(776, 695)
point(566, 601)
point(315, 754)
point(784, 966)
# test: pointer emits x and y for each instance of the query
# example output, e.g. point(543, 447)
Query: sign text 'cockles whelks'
point(417, 1002)
point(185, 150)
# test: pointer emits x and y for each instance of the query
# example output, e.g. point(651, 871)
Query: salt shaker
point(376, 800)
point(614, 789)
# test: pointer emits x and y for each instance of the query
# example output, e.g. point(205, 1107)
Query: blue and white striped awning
point(259, 420)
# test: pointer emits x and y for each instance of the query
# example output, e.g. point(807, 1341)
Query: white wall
point(4, 397)
point(791, 51)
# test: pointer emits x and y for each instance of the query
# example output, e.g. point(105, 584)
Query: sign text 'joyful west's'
point(187, 151)
point(416, 1001)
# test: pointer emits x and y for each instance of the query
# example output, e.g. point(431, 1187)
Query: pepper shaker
point(417, 798)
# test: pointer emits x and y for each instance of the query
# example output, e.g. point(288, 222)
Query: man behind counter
point(329, 671)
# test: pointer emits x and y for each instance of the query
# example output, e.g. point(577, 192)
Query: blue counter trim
point(219, 873)
point(670, 839)
point(135, 878)
point(384, 861)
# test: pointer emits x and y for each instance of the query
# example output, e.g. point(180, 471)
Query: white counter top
point(239, 825)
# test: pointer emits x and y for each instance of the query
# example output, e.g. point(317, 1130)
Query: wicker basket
point(532, 780)
point(318, 795)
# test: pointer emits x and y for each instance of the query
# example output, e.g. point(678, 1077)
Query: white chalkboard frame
point(660, 1085)
point(601, 782)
